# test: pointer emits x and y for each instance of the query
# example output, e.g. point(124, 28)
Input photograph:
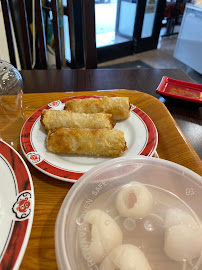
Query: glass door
point(126, 14)
point(123, 27)
point(110, 29)
point(149, 16)
point(148, 24)
point(114, 26)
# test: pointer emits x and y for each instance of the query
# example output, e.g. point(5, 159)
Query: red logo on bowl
point(22, 206)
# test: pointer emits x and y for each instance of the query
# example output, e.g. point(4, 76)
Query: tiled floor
point(160, 58)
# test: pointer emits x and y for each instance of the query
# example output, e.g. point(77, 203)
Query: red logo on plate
point(54, 103)
point(34, 157)
point(22, 206)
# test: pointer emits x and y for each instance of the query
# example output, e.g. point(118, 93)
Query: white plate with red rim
point(16, 207)
point(139, 131)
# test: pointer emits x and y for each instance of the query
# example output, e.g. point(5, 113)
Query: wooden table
point(187, 115)
point(49, 192)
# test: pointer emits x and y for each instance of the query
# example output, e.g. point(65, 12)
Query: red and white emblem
point(54, 104)
point(22, 206)
point(34, 157)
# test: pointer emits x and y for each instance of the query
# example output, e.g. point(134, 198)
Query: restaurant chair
point(82, 44)
point(90, 51)
point(20, 9)
point(25, 46)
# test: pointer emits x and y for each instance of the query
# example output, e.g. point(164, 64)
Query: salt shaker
point(11, 109)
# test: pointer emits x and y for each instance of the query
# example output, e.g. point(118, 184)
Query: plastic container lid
point(141, 212)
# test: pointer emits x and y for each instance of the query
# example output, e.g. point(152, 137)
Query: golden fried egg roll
point(82, 141)
point(119, 107)
point(52, 119)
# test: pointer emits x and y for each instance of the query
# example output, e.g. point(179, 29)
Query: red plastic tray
point(180, 89)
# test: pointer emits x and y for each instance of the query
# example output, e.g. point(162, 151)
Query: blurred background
point(109, 33)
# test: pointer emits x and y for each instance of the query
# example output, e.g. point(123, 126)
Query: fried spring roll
point(52, 119)
point(92, 142)
point(119, 107)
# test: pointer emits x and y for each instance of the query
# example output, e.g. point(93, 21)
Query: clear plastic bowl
point(162, 220)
